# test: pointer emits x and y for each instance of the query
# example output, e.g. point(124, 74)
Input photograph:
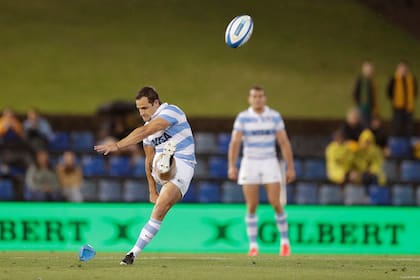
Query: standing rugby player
point(261, 129)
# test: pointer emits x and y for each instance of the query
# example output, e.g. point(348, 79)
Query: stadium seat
point(330, 194)
point(205, 143)
point(315, 147)
point(418, 195)
point(400, 147)
point(81, 141)
point(6, 190)
point(191, 195)
point(209, 192)
point(218, 167)
point(119, 166)
point(59, 141)
point(93, 165)
point(89, 190)
point(223, 140)
point(306, 193)
point(391, 170)
point(136, 190)
point(314, 169)
point(262, 195)
point(298, 168)
point(109, 190)
point(139, 168)
point(232, 193)
point(355, 195)
point(202, 168)
point(410, 170)
point(291, 194)
point(402, 195)
point(379, 195)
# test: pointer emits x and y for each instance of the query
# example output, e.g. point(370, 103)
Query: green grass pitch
point(54, 265)
point(55, 53)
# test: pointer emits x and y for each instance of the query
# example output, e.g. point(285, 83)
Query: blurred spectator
point(381, 136)
point(402, 91)
point(364, 93)
point(37, 129)
point(119, 128)
point(339, 159)
point(41, 179)
point(369, 160)
point(10, 126)
point(70, 177)
point(353, 125)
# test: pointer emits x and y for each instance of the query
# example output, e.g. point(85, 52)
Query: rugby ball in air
point(239, 31)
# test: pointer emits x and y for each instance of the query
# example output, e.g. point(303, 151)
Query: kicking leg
point(168, 196)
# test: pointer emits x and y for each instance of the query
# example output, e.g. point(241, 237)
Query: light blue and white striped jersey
point(179, 131)
point(259, 132)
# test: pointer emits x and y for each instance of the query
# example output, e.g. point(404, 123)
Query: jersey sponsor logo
point(161, 139)
point(261, 132)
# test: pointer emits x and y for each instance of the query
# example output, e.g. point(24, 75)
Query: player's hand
point(153, 196)
point(233, 173)
point(290, 175)
point(106, 148)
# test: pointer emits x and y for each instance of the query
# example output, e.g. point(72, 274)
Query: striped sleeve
point(172, 114)
point(279, 123)
point(238, 125)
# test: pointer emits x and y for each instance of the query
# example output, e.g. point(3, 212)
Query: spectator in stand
point(364, 93)
point(41, 179)
point(70, 177)
point(119, 128)
point(353, 125)
point(10, 127)
point(369, 160)
point(339, 158)
point(381, 136)
point(37, 129)
point(402, 91)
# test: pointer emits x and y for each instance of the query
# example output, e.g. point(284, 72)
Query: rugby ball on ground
point(239, 31)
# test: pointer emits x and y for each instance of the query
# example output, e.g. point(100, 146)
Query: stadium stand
point(400, 147)
point(354, 195)
point(402, 195)
point(136, 190)
point(122, 177)
point(330, 194)
point(379, 195)
point(60, 141)
point(209, 192)
point(6, 189)
point(306, 193)
point(232, 193)
point(109, 190)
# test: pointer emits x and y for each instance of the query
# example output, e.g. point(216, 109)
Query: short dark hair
point(258, 88)
point(150, 93)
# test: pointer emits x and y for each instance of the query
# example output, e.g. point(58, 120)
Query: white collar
point(266, 109)
point(159, 109)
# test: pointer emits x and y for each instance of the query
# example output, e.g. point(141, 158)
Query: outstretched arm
point(286, 151)
point(134, 137)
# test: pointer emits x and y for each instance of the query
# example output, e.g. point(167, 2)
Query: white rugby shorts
point(183, 175)
point(260, 171)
